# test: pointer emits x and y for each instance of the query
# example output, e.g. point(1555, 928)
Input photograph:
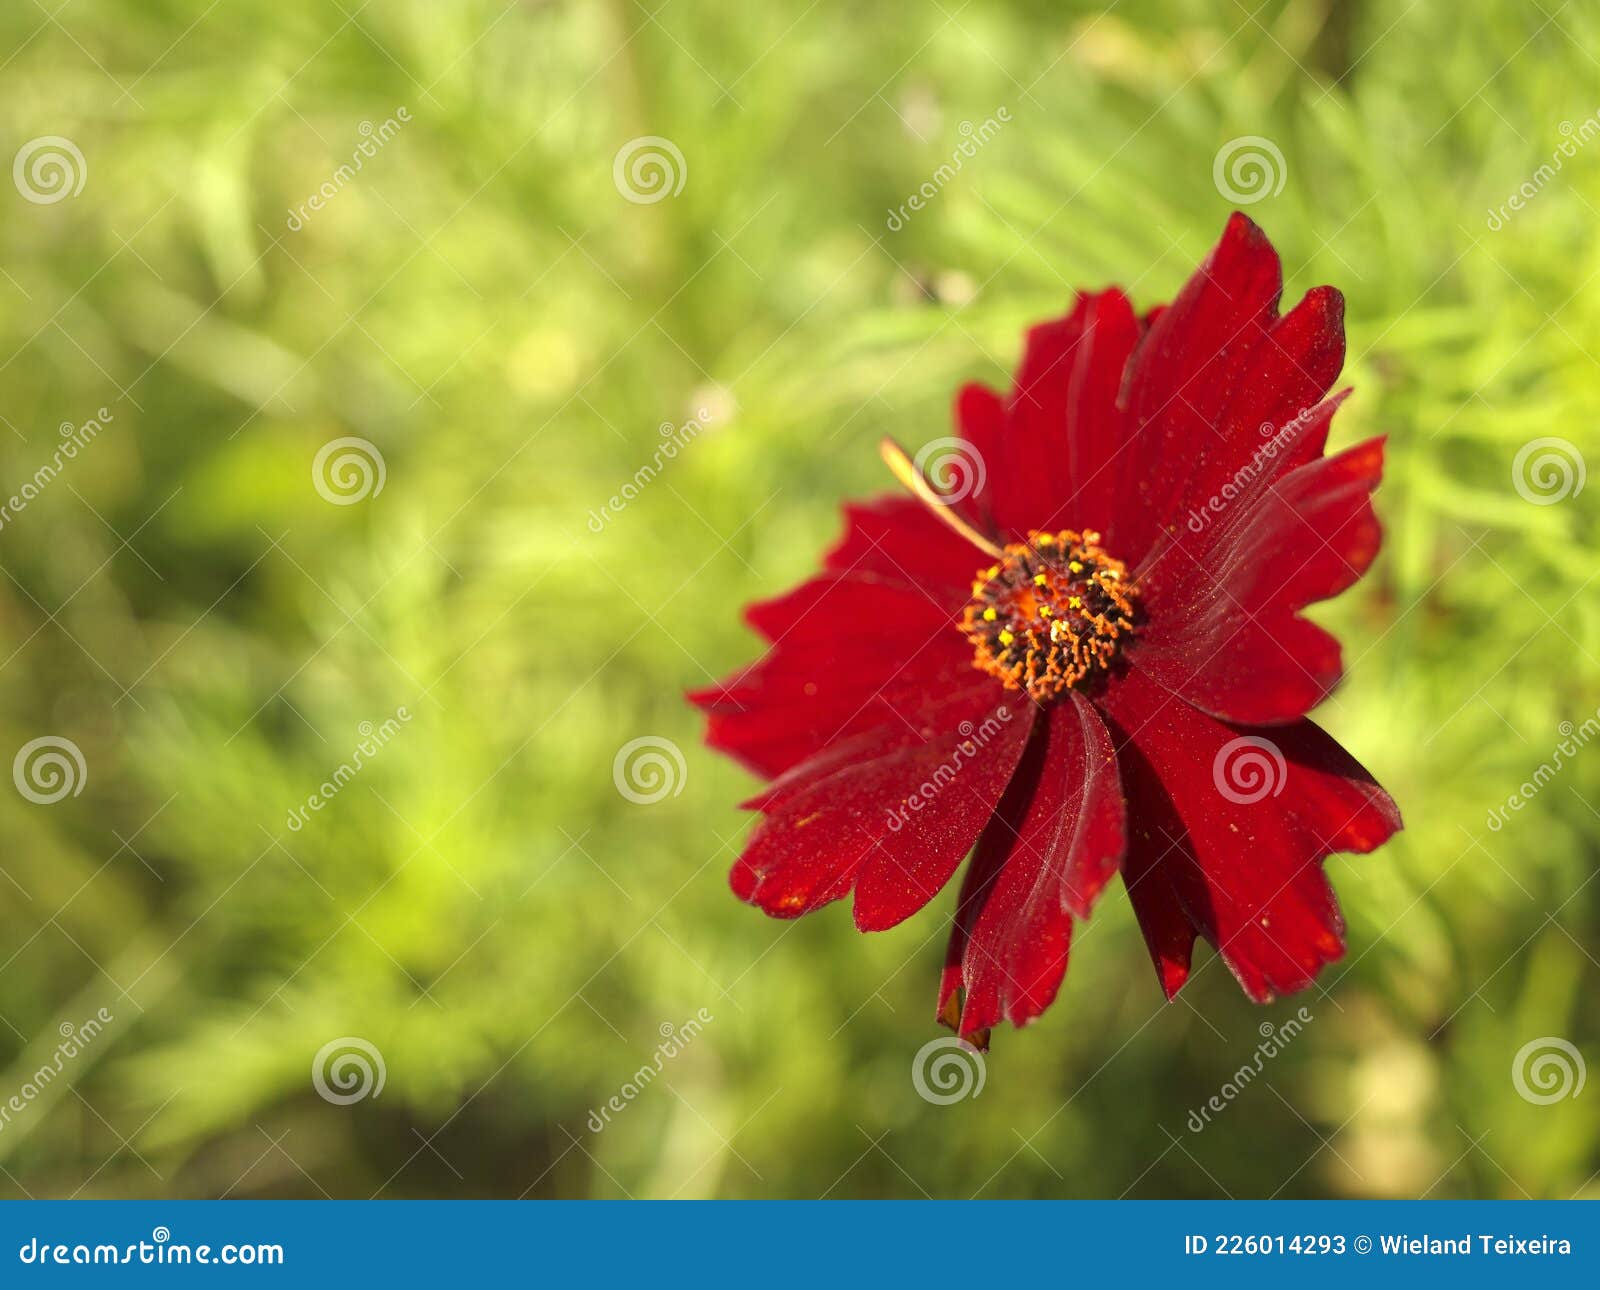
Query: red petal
point(1049, 466)
point(1225, 630)
point(1288, 373)
point(897, 538)
point(889, 813)
point(1168, 933)
point(1273, 402)
point(1240, 852)
point(1032, 476)
point(832, 606)
point(1054, 842)
point(980, 416)
point(1209, 521)
point(1181, 376)
point(1096, 424)
point(852, 653)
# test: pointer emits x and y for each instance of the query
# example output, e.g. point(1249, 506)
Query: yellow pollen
point(1040, 579)
point(988, 614)
point(1074, 602)
point(1076, 566)
point(1006, 638)
point(1044, 611)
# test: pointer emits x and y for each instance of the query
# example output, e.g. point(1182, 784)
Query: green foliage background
point(480, 302)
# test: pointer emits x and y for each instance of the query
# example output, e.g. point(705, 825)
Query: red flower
point(1085, 655)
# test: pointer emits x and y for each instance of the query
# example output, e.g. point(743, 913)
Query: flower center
point(1051, 614)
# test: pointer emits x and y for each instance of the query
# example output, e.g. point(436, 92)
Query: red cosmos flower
point(1086, 658)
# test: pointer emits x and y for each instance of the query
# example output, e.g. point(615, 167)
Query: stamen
point(1051, 615)
point(905, 470)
